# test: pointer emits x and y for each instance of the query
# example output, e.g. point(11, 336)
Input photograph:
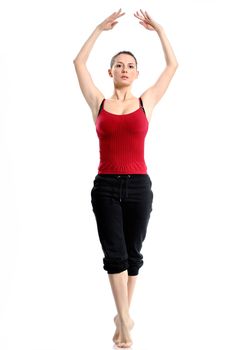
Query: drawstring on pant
point(126, 179)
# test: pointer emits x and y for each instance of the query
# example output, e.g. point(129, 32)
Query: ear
point(110, 73)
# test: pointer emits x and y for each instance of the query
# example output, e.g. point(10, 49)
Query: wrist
point(159, 29)
point(99, 29)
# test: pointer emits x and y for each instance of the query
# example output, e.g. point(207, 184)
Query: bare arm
point(92, 94)
point(153, 94)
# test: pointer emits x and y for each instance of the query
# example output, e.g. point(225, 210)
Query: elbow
point(75, 60)
point(78, 62)
point(173, 66)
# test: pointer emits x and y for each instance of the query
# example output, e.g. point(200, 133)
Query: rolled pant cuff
point(133, 272)
point(115, 267)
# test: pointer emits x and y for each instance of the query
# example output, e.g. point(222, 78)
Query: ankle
point(124, 318)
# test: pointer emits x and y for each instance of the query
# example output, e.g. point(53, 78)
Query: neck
point(122, 94)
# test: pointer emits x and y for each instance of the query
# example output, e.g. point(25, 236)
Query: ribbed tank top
point(121, 141)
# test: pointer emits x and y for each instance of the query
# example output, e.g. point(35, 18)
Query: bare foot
point(117, 332)
point(122, 334)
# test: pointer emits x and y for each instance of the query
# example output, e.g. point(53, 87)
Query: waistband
point(122, 175)
point(123, 178)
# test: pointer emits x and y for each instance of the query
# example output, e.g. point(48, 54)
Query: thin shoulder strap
point(141, 104)
point(101, 106)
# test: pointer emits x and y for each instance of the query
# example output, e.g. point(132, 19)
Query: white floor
point(171, 311)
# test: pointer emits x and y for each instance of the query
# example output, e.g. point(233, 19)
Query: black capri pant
point(122, 205)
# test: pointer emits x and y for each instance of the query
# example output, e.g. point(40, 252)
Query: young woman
point(121, 196)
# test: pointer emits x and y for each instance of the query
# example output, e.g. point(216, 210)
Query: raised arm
point(92, 94)
point(153, 94)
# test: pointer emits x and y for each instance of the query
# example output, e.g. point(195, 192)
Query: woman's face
point(124, 70)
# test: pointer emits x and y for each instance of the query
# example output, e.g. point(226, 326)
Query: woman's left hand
point(147, 21)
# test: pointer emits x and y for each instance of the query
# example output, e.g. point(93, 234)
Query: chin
point(123, 83)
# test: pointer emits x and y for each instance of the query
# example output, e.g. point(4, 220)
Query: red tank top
point(121, 141)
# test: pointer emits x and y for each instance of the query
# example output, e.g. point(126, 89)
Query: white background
point(54, 293)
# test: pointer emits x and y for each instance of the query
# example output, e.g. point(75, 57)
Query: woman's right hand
point(110, 21)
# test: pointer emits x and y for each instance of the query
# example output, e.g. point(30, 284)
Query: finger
point(122, 14)
point(143, 24)
point(112, 15)
point(113, 18)
point(137, 15)
point(113, 24)
point(142, 13)
point(147, 15)
point(118, 14)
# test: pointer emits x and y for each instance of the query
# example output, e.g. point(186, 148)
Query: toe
point(124, 345)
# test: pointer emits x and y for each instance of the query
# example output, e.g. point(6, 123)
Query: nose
point(124, 69)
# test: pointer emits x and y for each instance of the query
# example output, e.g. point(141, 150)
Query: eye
point(118, 65)
point(131, 66)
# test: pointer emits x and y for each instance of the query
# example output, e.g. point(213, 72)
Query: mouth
point(124, 77)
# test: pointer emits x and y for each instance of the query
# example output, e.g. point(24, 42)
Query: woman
point(121, 194)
